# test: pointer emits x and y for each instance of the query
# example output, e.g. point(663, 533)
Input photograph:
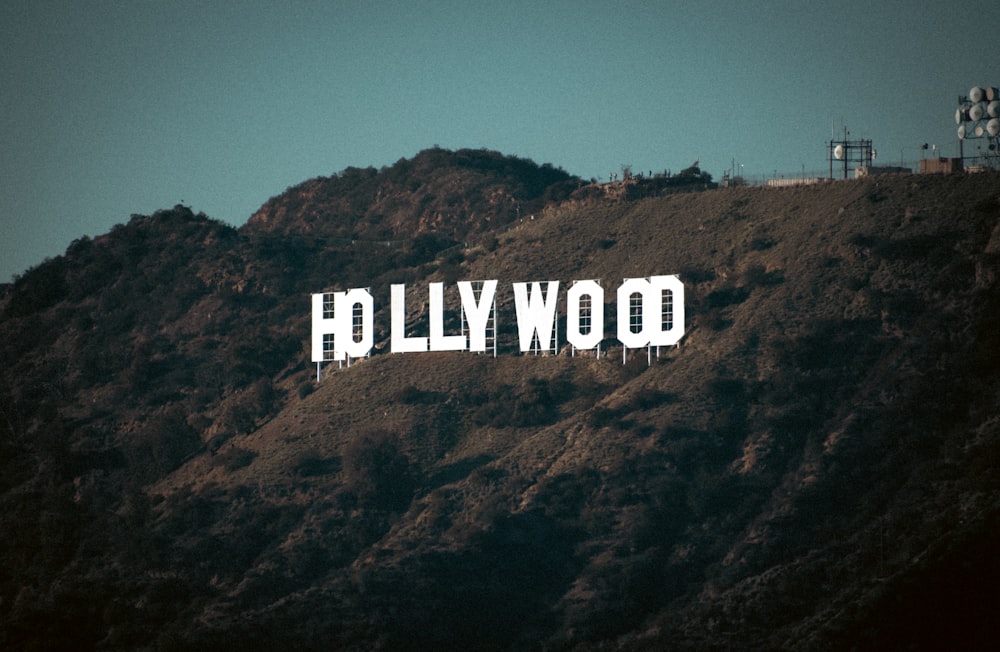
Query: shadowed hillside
point(816, 466)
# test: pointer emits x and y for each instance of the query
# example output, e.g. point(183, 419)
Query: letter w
point(537, 313)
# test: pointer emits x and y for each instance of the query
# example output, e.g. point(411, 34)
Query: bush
point(379, 472)
point(234, 458)
point(309, 463)
point(161, 446)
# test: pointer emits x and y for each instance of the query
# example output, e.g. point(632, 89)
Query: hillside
point(816, 466)
point(452, 194)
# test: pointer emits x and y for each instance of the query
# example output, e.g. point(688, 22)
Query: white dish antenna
point(838, 152)
point(961, 132)
point(993, 127)
point(976, 94)
point(993, 109)
point(976, 112)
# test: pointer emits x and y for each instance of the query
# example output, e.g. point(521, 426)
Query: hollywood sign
point(650, 313)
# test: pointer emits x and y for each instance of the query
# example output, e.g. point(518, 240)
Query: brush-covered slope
point(454, 194)
point(814, 467)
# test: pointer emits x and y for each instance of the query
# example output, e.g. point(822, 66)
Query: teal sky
point(114, 108)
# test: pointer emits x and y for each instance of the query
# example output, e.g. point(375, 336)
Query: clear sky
point(120, 107)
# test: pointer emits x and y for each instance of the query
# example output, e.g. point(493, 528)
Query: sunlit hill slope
point(816, 466)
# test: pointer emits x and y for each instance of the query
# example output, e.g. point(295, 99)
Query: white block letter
point(440, 341)
point(655, 313)
point(326, 326)
point(590, 340)
point(535, 314)
point(625, 291)
point(345, 316)
point(477, 315)
point(664, 289)
point(400, 343)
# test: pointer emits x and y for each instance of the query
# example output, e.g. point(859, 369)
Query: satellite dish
point(979, 131)
point(993, 109)
point(873, 154)
point(961, 132)
point(992, 93)
point(976, 112)
point(838, 152)
point(958, 116)
point(976, 94)
point(993, 127)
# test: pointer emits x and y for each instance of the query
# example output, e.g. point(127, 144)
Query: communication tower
point(860, 152)
point(978, 118)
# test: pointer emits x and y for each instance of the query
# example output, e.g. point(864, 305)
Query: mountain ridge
point(451, 193)
point(814, 467)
